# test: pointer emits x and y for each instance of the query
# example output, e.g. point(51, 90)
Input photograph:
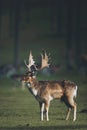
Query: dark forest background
point(59, 26)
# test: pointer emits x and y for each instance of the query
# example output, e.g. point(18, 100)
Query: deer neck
point(33, 87)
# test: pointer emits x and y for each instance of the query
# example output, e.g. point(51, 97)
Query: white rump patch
point(75, 92)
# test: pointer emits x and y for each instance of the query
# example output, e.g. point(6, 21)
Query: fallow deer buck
point(46, 91)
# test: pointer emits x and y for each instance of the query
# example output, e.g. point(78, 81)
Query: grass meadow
point(20, 111)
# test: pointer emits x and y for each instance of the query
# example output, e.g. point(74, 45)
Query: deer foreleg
point(47, 110)
point(41, 110)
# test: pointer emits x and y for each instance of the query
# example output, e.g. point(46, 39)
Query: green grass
point(19, 110)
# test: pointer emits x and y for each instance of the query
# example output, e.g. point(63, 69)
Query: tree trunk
point(69, 57)
point(1, 4)
point(16, 31)
point(59, 17)
point(77, 34)
point(11, 17)
point(27, 9)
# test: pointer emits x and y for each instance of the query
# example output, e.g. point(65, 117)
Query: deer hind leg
point(68, 113)
point(75, 109)
point(71, 105)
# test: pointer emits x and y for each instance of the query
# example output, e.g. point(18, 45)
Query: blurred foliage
point(40, 32)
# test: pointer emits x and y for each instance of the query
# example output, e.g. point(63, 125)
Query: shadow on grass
point(76, 127)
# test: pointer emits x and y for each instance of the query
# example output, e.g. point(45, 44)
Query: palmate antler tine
point(44, 60)
point(26, 63)
point(30, 61)
point(46, 57)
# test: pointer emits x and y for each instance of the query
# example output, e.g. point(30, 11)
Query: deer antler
point(44, 60)
point(31, 61)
